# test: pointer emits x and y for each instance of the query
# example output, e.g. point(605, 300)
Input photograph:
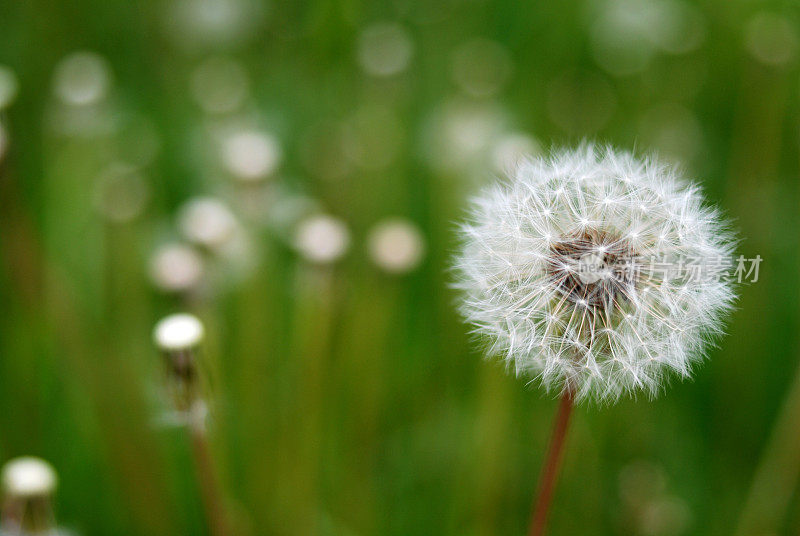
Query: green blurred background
point(348, 400)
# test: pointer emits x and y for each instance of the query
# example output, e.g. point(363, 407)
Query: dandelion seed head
point(322, 239)
point(396, 246)
point(121, 193)
point(176, 268)
point(29, 476)
point(82, 79)
point(556, 279)
point(208, 222)
point(178, 332)
point(251, 155)
point(384, 49)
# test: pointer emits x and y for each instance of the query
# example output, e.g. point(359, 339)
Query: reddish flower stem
point(213, 501)
point(549, 475)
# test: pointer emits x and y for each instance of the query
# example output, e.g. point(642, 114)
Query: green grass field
point(347, 400)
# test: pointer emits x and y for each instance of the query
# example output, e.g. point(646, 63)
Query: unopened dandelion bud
point(28, 487)
point(396, 246)
point(207, 222)
point(322, 239)
point(178, 337)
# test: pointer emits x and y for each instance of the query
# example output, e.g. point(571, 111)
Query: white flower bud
point(251, 155)
point(176, 268)
point(178, 332)
point(82, 79)
point(207, 222)
point(396, 246)
point(384, 49)
point(322, 239)
point(28, 477)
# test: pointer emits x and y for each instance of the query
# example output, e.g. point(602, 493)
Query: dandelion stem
point(777, 473)
point(547, 480)
point(216, 513)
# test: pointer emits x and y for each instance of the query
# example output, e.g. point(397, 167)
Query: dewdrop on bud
point(176, 268)
point(28, 486)
point(322, 239)
point(251, 155)
point(207, 222)
point(556, 273)
point(396, 246)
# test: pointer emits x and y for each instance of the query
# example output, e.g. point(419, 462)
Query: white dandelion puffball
point(251, 155)
point(176, 268)
point(207, 221)
point(82, 79)
point(178, 332)
point(396, 245)
point(29, 476)
point(576, 271)
point(322, 239)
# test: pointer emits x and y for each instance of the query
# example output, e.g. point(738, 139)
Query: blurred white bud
point(511, 148)
point(81, 79)
point(396, 246)
point(626, 34)
point(384, 49)
point(198, 24)
point(178, 332)
point(771, 38)
point(619, 35)
point(459, 137)
point(481, 67)
point(322, 239)
point(220, 85)
point(121, 193)
point(28, 477)
point(176, 268)
point(251, 155)
point(207, 222)
point(679, 28)
point(9, 87)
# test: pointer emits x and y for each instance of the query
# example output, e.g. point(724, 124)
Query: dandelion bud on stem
point(178, 337)
point(28, 487)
